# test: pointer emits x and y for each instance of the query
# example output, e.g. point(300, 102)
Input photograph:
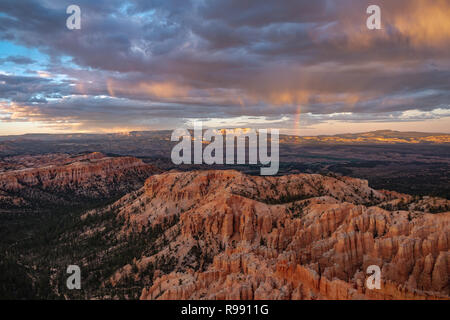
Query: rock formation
point(68, 179)
point(227, 235)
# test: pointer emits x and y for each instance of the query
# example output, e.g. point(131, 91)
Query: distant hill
point(143, 143)
point(378, 137)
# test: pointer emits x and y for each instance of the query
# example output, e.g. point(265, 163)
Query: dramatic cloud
point(141, 64)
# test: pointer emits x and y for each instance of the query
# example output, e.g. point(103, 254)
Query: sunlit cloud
point(44, 74)
point(425, 23)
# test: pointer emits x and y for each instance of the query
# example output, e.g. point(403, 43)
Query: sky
point(306, 67)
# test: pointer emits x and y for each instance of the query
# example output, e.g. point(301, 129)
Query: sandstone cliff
point(70, 179)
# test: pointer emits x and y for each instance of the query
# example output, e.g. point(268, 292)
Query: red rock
point(314, 248)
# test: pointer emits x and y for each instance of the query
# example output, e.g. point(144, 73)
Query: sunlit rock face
point(227, 235)
point(69, 179)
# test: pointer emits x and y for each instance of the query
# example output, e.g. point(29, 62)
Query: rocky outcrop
point(72, 179)
point(227, 235)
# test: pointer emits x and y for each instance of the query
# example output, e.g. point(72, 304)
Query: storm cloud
point(137, 64)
